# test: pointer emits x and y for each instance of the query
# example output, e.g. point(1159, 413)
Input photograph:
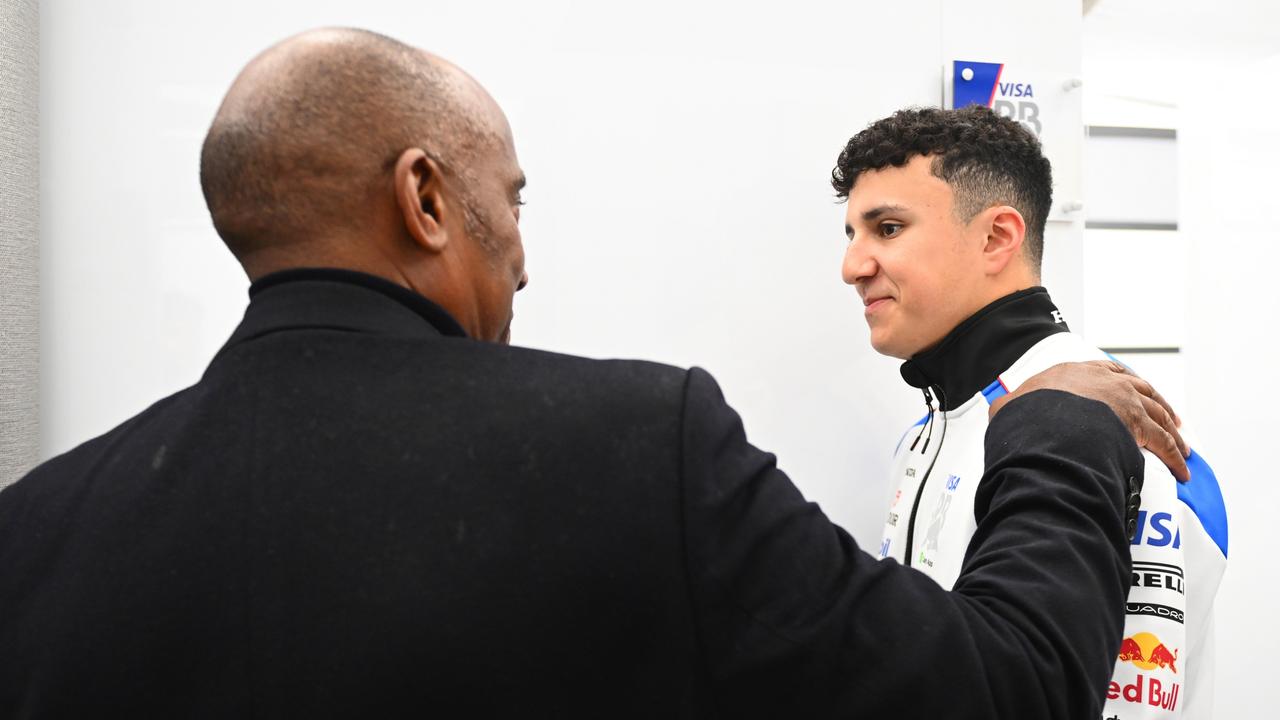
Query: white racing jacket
point(1165, 663)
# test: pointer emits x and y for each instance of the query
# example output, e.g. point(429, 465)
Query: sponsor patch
point(1146, 652)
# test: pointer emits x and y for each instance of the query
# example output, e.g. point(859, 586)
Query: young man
point(945, 220)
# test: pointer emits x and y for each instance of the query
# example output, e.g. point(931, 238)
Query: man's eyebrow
point(879, 210)
point(874, 213)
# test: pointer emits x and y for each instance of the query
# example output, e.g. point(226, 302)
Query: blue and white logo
point(1157, 530)
point(980, 83)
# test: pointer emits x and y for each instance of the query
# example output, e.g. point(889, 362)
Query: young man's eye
point(890, 229)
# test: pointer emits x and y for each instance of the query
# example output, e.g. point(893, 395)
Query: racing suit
point(1164, 666)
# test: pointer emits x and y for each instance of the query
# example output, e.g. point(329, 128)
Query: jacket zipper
point(915, 504)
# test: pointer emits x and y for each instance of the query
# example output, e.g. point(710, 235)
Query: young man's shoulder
point(1057, 348)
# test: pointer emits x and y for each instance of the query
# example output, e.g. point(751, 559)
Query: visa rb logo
point(982, 83)
point(1014, 101)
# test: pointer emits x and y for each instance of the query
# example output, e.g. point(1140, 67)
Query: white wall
point(679, 210)
point(1203, 70)
point(1135, 260)
point(1229, 163)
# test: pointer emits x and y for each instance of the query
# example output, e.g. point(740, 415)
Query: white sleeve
point(1200, 676)
point(1150, 676)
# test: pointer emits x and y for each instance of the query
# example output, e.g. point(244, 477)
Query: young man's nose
point(858, 265)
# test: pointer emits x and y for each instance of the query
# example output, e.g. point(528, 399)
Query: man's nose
point(524, 280)
point(858, 264)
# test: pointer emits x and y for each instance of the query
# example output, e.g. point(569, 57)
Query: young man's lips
point(876, 304)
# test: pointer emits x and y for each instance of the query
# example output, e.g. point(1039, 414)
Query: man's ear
point(1006, 230)
point(419, 188)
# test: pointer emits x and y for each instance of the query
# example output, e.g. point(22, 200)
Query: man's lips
point(875, 303)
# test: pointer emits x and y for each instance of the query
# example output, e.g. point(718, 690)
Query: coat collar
point(333, 299)
point(985, 345)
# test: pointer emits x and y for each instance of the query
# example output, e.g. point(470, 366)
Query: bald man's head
point(308, 135)
point(347, 149)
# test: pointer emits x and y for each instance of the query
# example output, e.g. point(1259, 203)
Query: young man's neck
point(1012, 280)
point(975, 351)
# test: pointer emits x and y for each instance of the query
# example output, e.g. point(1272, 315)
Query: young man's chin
point(886, 346)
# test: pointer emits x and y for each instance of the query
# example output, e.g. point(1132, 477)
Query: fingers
point(1169, 422)
point(1155, 431)
point(1147, 389)
point(1148, 415)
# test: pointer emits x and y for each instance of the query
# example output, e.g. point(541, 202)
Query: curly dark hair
point(987, 160)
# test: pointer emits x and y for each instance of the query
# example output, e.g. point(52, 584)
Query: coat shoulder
point(617, 380)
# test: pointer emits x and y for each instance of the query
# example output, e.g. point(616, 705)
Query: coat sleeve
point(795, 620)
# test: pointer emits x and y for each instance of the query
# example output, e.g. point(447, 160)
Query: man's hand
point(1143, 410)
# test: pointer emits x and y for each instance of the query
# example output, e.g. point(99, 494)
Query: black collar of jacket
point(985, 345)
point(335, 299)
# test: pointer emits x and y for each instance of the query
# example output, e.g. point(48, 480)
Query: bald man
point(371, 506)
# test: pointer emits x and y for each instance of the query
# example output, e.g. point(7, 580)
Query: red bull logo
point(1160, 656)
point(1130, 651)
point(1147, 652)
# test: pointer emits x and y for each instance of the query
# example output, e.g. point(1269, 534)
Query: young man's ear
point(419, 189)
point(1006, 231)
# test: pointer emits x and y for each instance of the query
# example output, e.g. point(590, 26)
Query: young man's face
point(917, 268)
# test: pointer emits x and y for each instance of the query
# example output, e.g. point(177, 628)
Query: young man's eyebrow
point(874, 213)
point(879, 210)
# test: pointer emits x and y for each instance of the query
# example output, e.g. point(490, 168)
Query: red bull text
point(1156, 694)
